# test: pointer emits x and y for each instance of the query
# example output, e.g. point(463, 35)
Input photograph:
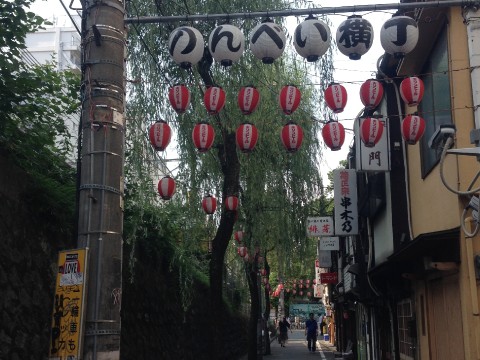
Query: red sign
point(328, 278)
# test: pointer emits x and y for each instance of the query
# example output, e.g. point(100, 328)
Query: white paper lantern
point(311, 39)
point(267, 42)
point(226, 44)
point(354, 37)
point(185, 45)
point(399, 35)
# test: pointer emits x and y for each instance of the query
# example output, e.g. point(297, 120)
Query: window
point(435, 107)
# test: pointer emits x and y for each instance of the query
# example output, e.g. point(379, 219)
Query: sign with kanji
point(375, 158)
point(319, 226)
point(68, 306)
point(329, 243)
point(329, 278)
point(345, 201)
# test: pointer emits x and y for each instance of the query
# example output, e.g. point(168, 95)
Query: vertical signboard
point(345, 200)
point(374, 158)
point(68, 306)
point(319, 226)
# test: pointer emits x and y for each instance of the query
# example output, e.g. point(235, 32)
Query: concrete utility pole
point(100, 220)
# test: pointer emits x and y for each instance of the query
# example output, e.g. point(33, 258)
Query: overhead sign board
point(319, 226)
point(329, 278)
point(329, 243)
point(345, 200)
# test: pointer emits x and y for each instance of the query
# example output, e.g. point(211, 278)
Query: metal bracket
point(100, 187)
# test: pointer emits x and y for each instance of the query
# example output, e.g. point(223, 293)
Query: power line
point(301, 12)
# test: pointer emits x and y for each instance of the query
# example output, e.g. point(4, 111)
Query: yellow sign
point(68, 305)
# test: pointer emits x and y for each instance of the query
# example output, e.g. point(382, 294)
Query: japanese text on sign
point(67, 318)
point(329, 243)
point(345, 200)
point(320, 226)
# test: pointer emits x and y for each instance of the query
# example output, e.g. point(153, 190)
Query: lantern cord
point(301, 12)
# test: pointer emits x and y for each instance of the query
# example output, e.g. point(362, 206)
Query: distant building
point(63, 46)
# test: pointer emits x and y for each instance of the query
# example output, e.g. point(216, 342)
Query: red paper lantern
point(280, 286)
point(300, 293)
point(203, 135)
point(214, 99)
point(289, 99)
point(209, 204)
point(413, 127)
point(166, 187)
point(371, 131)
point(238, 236)
point(265, 280)
point(246, 257)
point(248, 99)
point(411, 90)
point(242, 251)
point(314, 281)
point(160, 135)
point(308, 281)
point(179, 97)
point(246, 138)
point(300, 286)
point(309, 294)
point(231, 203)
point(333, 134)
point(336, 97)
point(263, 272)
point(294, 292)
point(292, 137)
point(371, 93)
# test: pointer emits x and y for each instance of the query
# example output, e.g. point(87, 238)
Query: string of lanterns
point(354, 37)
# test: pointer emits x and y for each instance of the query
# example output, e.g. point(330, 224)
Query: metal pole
point(300, 12)
point(100, 207)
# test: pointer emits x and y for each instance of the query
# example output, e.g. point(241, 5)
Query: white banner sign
point(375, 158)
point(329, 243)
point(345, 201)
point(319, 226)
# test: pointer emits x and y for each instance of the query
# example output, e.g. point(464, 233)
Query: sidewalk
point(296, 349)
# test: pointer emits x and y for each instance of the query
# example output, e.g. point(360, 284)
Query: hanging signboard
point(345, 201)
point(319, 226)
point(324, 259)
point(329, 278)
point(329, 243)
point(68, 306)
point(374, 158)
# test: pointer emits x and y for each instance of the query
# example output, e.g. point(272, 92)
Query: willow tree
point(275, 187)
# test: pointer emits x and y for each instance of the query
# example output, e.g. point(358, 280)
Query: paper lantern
point(300, 293)
point(242, 251)
point(371, 131)
point(209, 204)
point(263, 272)
point(248, 99)
point(246, 137)
point(246, 257)
point(309, 294)
point(265, 280)
point(289, 99)
point(226, 44)
point(314, 281)
point(311, 38)
point(399, 35)
point(203, 135)
point(160, 135)
point(354, 37)
point(336, 97)
point(231, 203)
point(294, 292)
point(411, 90)
point(186, 46)
point(292, 137)
point(333, 134)
point(179, 97)
point(214, 99)
point(166, 187)
point(371, 93)
point(238, 236)
point(267, 42)
point(412, 128)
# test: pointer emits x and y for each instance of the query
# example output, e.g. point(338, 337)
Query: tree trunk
point(227, 154)
point(266, 314)
point(255, 309)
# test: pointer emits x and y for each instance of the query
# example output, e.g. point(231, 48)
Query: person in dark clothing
point(311, 331)
point(283, 327)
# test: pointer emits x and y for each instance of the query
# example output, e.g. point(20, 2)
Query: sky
point(350, 73)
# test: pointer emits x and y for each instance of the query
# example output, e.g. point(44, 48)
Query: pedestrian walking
point(283, 327)
point(311, 331)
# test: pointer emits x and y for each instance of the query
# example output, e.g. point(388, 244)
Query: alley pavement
point(296, 348)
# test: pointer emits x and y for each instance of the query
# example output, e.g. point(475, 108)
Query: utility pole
point(100, 219)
